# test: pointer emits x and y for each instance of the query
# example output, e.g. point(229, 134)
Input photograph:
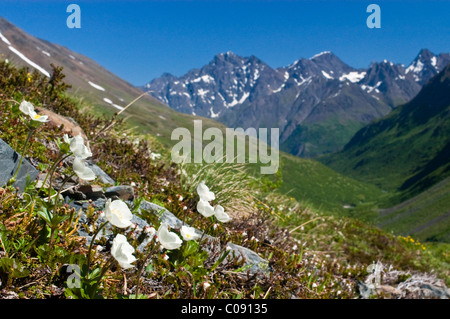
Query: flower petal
point(122, 251)
point(220, 214)
point(26, 107)
point(78, 148)
point(118, 213)
point(189, 233)
point(204, 192)
point(83, 172)
point(205, 208)
point(167, 239)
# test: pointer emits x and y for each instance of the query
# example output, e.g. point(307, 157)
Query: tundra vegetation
point(310, 253)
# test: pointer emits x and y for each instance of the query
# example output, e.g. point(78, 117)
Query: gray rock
point(93, 192)
point(123, 192)
point(9, 161)
point(252, 259)
point(165, 216)
point(101, 175)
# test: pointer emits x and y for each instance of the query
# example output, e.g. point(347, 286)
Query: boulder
point(101, 175)
point(9, 161)
point(69, 126)
point(123, 192)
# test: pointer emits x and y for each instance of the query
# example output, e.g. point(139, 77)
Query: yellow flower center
point(37, 116)
point(117, 212)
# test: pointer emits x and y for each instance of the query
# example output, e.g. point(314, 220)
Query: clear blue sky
point(139, 40)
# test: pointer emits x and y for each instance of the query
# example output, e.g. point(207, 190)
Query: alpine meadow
point(236, 156)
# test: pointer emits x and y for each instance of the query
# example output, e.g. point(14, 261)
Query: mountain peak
point(425, 54)
point(321, 54)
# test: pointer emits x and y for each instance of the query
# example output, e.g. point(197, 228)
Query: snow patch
point(34, 65)
point(107, 100)
point(204, 78)
point(371, 88)
point(46, 53)
point(279, 89)
point(117, 106)
point(4, 39)
point(202, 92)
point(256, 75)
point(418, 67)
point(325, 74)
point(235, 102)
point(96, 86)
point(434, 62)
point(353, 77)
point(213, 115)
point(320, 54)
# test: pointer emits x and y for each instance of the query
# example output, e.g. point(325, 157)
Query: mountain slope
point(318, 103)
point(103, 90)
point(407, 153)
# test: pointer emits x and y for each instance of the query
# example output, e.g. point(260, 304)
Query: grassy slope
point(406, 153)
point(312, 182)
point(425, 216)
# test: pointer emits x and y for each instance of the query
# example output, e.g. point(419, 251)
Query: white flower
point(168, 240)
point(206, 285)
point(205, 208)
point(83, 172)
point(118, 213)
point(77, 146)
point(28, 109)
point(220, 214)
point(151, 231)
point(122, 251)
point(204, 192)
point(155, 156)
point(189, 233)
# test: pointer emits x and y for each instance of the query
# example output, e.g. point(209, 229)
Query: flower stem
point(30, 133)
point(92, 242)
point(104, 270)
point(51, 175)
point(50, 171)
point(141, 268)
point(59, 190)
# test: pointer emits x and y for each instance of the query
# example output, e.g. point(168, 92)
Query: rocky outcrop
point(9, 161)
point(386, 282)
point(68, 125)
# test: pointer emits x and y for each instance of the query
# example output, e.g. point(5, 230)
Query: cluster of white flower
point(117, 212)
point(81, 152)
point(205, 208)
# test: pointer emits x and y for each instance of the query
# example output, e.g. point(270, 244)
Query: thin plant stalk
point(30, 133)
point(92, 242)
point(141, 268)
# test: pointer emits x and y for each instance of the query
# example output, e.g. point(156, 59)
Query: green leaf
point(221, 259)
point(190, 248)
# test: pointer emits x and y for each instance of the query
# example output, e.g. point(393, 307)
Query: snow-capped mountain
point(317, 96)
